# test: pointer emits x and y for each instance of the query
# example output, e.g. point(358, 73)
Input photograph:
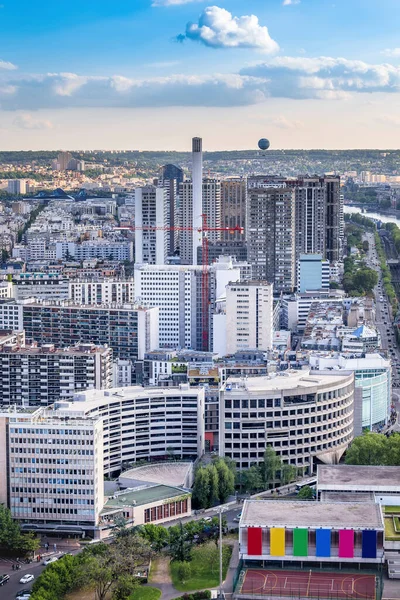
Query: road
point(384, 318)
point(10, 590)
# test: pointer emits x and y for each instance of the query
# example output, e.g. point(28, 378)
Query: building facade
point(151, 222)
point(101, 291)
point(249, 316)
point(32, 376)
point(45, 286)
point(130, 330)
point(233, 208)
point(271, 234)
point(304, 416)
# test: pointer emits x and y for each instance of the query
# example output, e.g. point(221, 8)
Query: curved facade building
point(304, 416)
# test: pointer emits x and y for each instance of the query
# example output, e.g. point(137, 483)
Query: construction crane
point(204, 229)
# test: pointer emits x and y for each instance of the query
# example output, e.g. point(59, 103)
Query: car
point(48, 561)
point(24, 596)
point(27, 578)
point(4, 579)
point(23, 593)
point(237, 518)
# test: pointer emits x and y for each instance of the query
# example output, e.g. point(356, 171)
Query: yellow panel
point(277, 537)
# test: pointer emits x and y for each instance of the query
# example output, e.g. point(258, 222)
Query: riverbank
point(385, 217)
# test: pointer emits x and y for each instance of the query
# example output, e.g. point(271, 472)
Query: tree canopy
point(374, 449)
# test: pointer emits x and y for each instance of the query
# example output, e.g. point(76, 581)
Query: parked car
point(48, 561)
point(27, 578)
point(4, 579)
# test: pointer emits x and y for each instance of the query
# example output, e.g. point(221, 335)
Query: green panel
point(300, 542)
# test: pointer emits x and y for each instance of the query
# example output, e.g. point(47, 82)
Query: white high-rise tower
point(197, 182)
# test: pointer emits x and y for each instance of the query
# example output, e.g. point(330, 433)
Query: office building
point(332, 534)
point(334, 220)
point(102, 291)
point(151, 222)
point(171, 178)
point(33, 376)
point(372, 386)
point(305, 416)
point(64, 458)
point(313, 273)
point(270, 234)
point(45, 286)
point(172, 172)
point(130, 330)
point(233, 208)
point(177, 291)
point(249, 310)
point(16, 186)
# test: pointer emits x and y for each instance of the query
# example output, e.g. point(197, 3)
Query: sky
point(151, 74)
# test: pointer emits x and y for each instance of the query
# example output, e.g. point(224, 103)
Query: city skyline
point(284, 69)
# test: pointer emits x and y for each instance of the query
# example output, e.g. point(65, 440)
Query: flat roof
point(291, 379)
point(351, 477)
point(145, 495)
point(334, 515)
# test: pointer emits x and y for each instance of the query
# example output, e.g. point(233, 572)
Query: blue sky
point(308, 73)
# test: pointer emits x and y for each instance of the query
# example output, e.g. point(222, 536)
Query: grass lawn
point(145, 593)
point(390, 533)
point(204, 568)
point(392, 509)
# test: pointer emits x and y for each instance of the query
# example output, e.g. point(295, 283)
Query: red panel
point(254, 541)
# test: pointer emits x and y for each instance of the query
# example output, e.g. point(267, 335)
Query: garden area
point(203, 570)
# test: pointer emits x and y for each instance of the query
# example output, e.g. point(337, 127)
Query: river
point(373, 215)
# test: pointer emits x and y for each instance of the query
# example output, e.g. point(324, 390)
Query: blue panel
point(369, 539)
point(323, 542)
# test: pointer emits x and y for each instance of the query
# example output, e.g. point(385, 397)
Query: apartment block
point(102, 291)
point(151, 221)
point(33, 376)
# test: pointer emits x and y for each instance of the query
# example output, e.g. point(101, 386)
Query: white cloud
point(173, 2)
point(290, 2)
point(27, 121)
point(218, 28)
point(280, 77)
point(283, 123)
point(392, 52)
point(324, 77)
point(7, 65)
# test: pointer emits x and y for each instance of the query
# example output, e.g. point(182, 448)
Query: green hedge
point(195, 596)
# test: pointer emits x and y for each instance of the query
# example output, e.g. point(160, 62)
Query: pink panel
point(346, 543)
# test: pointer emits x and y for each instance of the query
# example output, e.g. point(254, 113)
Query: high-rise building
point(249, 312)
point(310, 215)
point(177, 291)
point(16, 186)
point(171, 187)
point(211, 207)
point(33, 376)
point(66, 162)
point(130, 330)
point(151, 221)
point(197, 195)
point(334, 220)
point(271, 233)
point(233, 208)
point(172, 172)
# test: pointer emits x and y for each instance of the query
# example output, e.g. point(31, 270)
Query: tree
point(105, 564)
point(214, 485)
point(306, 493)
point(252, 479)
point(226, 480)
point(12, 540)
point(201, 488)
point(288, 473)
point(125, 585)
point(183, 571)
point(270, 466)
point(156, 535)
point(368, 449)
point(180, 547)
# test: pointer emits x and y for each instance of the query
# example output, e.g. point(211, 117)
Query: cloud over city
point(218, 28)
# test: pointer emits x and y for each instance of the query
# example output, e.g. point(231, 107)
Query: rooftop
point(333, 515)
point(350, 477)
point(291, 379)
point(170, 473)
point(145, 495)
